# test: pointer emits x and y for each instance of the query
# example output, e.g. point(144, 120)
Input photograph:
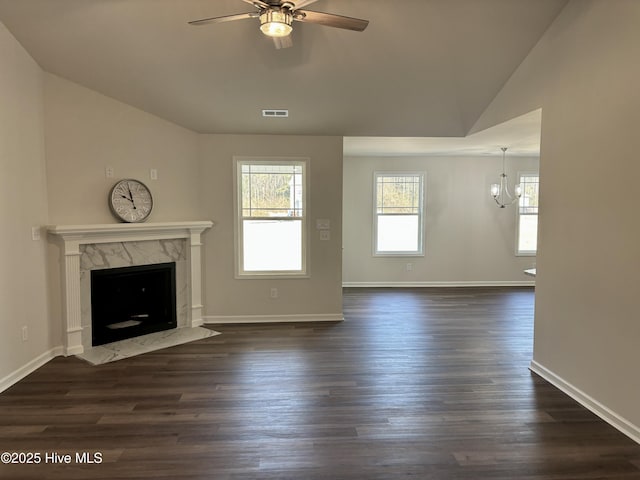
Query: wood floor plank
point(415, 383)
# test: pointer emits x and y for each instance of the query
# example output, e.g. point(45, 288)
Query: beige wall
point(585, 73)
point(468, 239)
point(319, 294)
point(23, 205)
point(86, 132)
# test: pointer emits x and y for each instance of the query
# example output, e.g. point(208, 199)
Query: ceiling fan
point(276, 18)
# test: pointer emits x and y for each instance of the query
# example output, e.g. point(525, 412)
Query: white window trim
point(518, 252)
point(238, 161)
point(421, 234)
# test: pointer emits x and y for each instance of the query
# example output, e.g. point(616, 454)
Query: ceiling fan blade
point(283, 42)
point(226, 18)
point(331, 20)
point(257, 3)
point(303, 3)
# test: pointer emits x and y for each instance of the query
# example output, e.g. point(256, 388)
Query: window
point(398, 215)
point(527, 240)
point(271, 226)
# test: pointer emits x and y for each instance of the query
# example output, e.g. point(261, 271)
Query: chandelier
point(500, 191)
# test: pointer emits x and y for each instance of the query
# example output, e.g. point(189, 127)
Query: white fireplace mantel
point(72, 237)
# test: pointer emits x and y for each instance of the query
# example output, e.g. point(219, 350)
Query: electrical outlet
point(35, 233)
point(273, 293)
point(25, 333)
point(325, 235)
point(108, 172)
point(409, 267)
point(153, 174)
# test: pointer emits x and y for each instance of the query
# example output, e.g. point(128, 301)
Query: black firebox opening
point(130, 301)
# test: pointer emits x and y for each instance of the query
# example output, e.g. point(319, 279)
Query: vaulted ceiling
point(422, 68)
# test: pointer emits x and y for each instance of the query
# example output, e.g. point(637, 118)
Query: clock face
point(130, 201)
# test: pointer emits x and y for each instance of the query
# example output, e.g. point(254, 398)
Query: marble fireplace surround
point(77, 240)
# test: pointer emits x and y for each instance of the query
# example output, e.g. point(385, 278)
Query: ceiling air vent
point(275, 113)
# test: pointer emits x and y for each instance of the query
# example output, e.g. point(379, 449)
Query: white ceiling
point(423, 68)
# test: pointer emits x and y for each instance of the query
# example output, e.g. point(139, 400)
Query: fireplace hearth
point(127, 302)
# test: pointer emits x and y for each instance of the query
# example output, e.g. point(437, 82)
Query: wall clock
point(130, 201)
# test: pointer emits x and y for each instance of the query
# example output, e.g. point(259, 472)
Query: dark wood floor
point(415, 383)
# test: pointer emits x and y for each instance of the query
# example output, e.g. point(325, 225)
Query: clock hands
point(131, 200)
point(131, 197)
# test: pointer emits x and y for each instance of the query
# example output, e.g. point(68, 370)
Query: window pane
point(397, 194)
point(528, 213)
point(398, 233)
point(529, 200)
point(528, 233)
point(272, 245)
point(272, 190)
point(398, 212)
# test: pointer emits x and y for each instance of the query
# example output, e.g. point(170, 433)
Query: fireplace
point(127, 302)
point(84, 248)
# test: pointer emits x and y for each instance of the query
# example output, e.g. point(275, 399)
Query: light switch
point(323, 224)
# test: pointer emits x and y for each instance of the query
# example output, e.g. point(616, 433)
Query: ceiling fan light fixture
point(276, 23)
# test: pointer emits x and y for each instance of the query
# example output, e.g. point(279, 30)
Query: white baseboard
point(612, 418)
point(305, 317)
point(480, 283)
point(30, 367)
